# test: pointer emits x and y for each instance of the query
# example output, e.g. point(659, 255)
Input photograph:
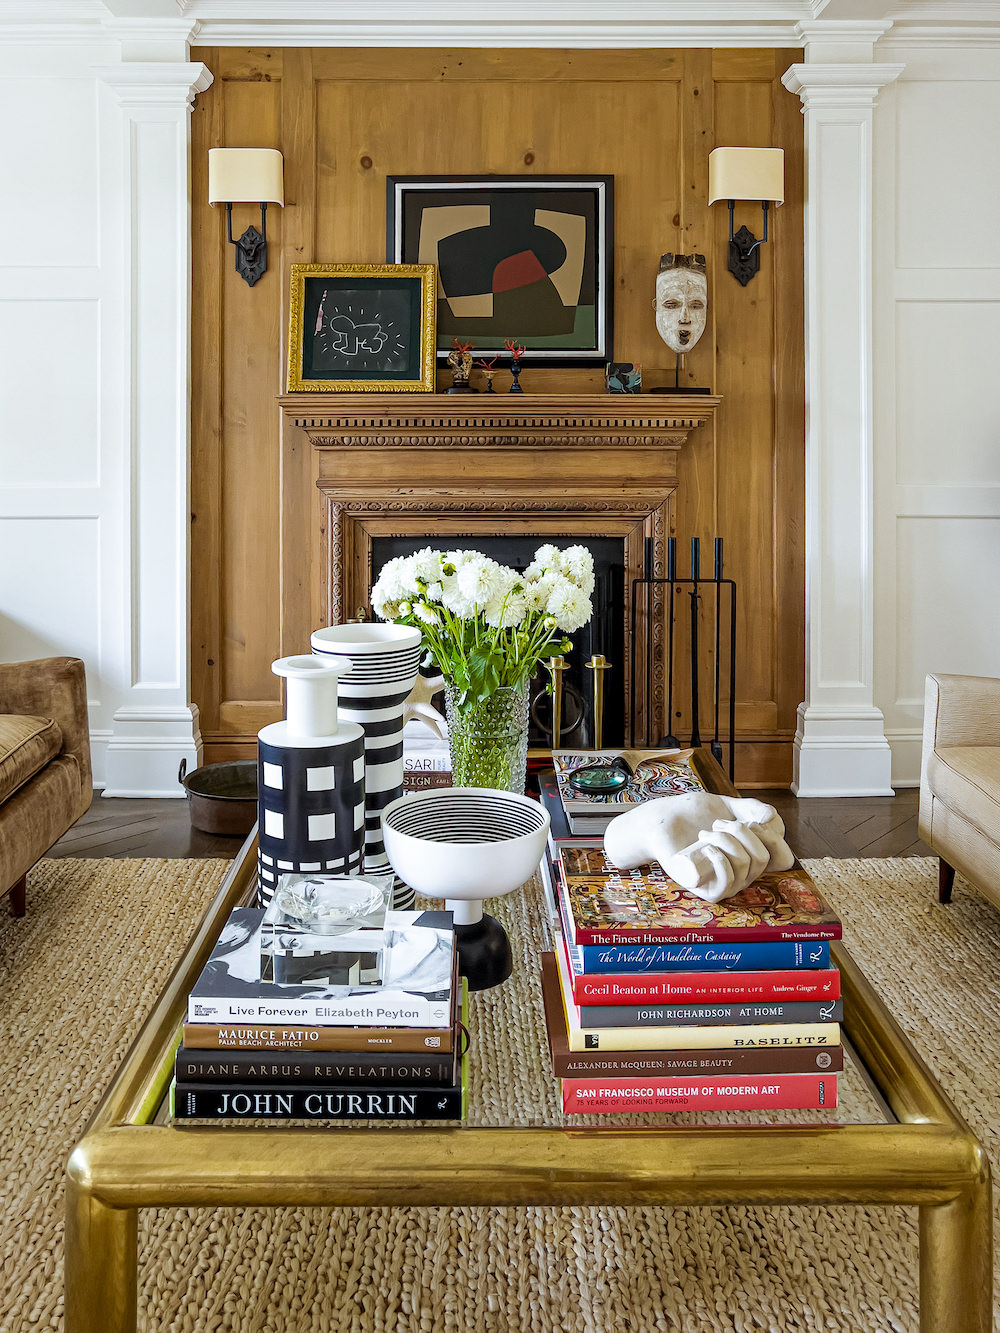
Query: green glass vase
point(488, 739)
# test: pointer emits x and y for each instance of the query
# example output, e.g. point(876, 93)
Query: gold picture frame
point(362, 328)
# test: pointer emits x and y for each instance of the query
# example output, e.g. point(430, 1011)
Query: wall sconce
point(746, 173)
point(246, 175)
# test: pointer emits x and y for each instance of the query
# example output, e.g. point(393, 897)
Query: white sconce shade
point(245, 175)
point(747, 173)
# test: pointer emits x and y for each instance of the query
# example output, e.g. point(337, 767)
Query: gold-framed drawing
point(362, 328)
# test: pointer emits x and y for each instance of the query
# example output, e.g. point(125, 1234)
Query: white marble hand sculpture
point(418, 706)
point(713, 846)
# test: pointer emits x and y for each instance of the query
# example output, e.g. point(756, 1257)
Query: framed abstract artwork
point(361, 328)
point(527, 258)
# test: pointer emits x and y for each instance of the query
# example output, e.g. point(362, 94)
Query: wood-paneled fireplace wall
point(345, 120)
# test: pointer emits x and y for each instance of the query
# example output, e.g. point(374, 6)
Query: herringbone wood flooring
point(839, 826)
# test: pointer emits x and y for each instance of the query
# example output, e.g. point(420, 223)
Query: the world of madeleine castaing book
point(605, 905)
point(654, 773)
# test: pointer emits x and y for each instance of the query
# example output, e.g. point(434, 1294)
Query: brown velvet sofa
point(45, 775)
point(960, 780)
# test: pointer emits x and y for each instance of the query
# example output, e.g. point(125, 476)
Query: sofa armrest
point(961, 710)
point(53, 687)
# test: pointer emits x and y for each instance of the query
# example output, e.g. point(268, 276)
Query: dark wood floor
point(841, 826)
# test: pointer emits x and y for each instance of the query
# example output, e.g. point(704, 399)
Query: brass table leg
point(956, 1263)
point(100, 1264)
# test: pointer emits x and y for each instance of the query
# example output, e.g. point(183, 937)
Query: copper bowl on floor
point(222, 798)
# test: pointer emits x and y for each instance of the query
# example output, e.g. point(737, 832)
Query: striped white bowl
point(464, 844)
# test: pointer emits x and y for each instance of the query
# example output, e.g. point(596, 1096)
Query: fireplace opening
point(604, 633)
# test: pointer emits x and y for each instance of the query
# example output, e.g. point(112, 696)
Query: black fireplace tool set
point(698, 588)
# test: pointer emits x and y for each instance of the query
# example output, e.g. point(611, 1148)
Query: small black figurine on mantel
point(516, 353)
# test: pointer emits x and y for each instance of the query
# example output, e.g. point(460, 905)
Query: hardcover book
point(417, 956)
point(644, 1064)
point(605, 905)
point(225, 1101)
point(609, 989)
point(276, 1068)
point(745, 1092)
point(272, 1039)
point(692, 1036)
point(653, 773)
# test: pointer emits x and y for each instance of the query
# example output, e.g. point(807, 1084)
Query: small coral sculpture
point(516, 351)
point(713, 846)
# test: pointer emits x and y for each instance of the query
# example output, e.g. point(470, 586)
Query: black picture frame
point(501, 258)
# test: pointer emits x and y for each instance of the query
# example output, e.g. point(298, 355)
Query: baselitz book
point(604, 905)
point(654, 773)
point(416, 953)
point(745, 1092)
point(646, 1064)
point(690, 1037)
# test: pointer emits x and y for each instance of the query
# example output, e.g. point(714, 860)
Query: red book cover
point(745, 1092)
point(605, 905)
point(693, 987)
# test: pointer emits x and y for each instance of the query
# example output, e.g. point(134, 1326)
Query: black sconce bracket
point(251, 248)
point(744, 248)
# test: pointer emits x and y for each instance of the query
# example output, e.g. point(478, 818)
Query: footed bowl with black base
point(465, 844)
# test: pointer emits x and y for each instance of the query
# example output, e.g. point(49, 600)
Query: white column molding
point(840, 744)
point(155, 725)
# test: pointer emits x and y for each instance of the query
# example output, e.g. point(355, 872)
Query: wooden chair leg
point(17, 897)
point(946, 878)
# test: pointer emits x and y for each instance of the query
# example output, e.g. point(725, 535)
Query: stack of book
point(383, 1040)
point(658, 1001)
point(426, 758)
point(651, 774)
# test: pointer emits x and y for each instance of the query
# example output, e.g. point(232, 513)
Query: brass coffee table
point(896, 1139)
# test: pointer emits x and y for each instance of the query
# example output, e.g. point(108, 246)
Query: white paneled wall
point(937, 383)
point(59, 489)
point(93, 391)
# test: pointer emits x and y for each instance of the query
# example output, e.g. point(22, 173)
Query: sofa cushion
point(26, 746)
point(967, 778)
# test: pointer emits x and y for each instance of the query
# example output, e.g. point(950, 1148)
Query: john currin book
point(605, 905)
point(224, 1101)
point(417, 954)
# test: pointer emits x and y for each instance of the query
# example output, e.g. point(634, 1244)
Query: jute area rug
point(80, 971)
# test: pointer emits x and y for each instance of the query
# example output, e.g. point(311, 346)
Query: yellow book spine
point(769, 1036)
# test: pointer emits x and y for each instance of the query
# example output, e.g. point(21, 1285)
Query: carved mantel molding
point(439, 466)
point(513, 421)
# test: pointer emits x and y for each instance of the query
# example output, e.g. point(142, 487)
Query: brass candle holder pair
point(557, 665)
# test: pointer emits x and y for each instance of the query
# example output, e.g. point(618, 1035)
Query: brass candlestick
point(598, 665)
point(556, 665)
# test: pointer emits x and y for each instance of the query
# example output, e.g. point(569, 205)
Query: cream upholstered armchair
point(960, 780)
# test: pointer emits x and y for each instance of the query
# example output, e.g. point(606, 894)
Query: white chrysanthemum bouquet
point(485, 625)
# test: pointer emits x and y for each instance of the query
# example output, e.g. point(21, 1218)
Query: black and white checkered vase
point(384, 661)
point(310, 804)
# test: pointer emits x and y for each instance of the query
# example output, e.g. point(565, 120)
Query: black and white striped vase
point(384, 661)
point(310, 780)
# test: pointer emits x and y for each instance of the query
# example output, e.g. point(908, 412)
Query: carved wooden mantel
point(437, 466)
